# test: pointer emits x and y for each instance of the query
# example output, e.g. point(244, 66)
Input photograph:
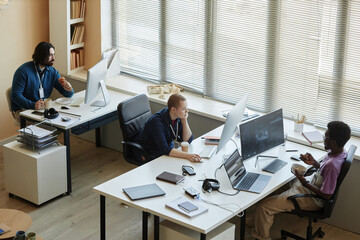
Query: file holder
point(37, 142)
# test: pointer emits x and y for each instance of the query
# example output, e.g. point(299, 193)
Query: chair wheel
point(321, 234)
point(283, 237)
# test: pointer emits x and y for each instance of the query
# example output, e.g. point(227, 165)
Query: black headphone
point(51, 113)
point(210, 184)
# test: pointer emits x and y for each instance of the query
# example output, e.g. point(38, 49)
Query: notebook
point(180, 201)
point(143, 191)
point(170, 177)
point(241, 179)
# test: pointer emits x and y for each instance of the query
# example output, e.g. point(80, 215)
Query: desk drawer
point(95, 123)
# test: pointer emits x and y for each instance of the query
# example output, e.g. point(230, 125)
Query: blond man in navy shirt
point(166, 129)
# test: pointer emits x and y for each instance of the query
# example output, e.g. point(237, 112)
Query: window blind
point(238, 42)
point(339, 83)
point(184, 38)
point(136, 28)
point(297, 57)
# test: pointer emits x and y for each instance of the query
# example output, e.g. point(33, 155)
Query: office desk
point(90, 118)
point(215, 215)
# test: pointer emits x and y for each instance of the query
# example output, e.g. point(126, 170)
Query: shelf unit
point(60, 36)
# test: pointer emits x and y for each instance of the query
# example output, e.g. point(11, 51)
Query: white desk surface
point(215, 216)
point(85, 110)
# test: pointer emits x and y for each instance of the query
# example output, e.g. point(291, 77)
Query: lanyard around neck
point(177, 130)
point(42, 77)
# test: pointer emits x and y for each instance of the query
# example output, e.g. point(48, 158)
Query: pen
point(291, 150)
point(73, 114)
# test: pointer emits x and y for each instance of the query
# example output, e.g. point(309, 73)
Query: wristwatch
point(304, 183)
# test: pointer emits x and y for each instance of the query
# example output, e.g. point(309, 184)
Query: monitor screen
point(261, 134)
point(94, 76)
point(233, 119)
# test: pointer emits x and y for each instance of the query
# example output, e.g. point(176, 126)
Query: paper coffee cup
point(185, 146)
point(48, 103)
point(31, 236)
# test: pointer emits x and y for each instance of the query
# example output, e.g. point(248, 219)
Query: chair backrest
point(330, 204)
point(133, 114)
point(8, 98)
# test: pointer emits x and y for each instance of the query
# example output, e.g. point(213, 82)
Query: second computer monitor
point(261, 134)
point(95, 83)
point(232, 121)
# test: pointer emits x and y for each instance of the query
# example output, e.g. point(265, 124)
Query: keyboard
point(274, 166)
point(248, 180)
point(207, 151)
point(77, 101)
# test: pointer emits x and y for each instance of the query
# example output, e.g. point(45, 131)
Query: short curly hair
point(42, 53)
point(174, 100)
point(339, 131)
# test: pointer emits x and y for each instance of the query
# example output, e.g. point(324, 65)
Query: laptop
point(241, 179)
point(143, 191)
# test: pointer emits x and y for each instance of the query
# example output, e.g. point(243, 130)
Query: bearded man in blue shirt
point(35, 80)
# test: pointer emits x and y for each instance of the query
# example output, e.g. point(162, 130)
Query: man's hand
point(307, 158)
point(65, 84)
point(299, 176)
point(193, 157)
point(39, 104)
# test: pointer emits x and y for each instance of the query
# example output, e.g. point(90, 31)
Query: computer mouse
point(65, 107)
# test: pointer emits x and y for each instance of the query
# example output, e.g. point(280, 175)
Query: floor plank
point(77, 216)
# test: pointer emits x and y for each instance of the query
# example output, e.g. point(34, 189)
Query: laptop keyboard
point(207, 151)
point(274, 166)
point(248, 181)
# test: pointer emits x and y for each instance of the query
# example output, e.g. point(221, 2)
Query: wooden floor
point(77, 216)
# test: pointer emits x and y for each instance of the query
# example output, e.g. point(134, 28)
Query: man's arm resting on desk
point(189, 156)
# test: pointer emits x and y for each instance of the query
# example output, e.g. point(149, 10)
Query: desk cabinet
point(35, 176)
point(173, 231)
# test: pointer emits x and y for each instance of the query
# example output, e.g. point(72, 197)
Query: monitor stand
point(105, 94)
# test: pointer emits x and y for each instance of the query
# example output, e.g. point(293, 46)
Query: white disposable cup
point(48, 103)
point(185, 146)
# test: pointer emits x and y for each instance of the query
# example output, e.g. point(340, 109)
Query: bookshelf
point(67, 34)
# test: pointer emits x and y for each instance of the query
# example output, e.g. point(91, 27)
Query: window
point(302, 56)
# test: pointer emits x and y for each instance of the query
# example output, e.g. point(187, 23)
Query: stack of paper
point(313, 136)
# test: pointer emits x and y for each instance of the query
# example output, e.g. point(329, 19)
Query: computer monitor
point(232, 121)
point(261, 134)
point(95, 82)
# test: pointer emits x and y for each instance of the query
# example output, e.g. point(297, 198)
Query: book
point(212, 140)
point(170, 177)
point(313, 137)
point(180, 201)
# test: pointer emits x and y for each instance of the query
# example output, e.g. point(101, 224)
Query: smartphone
point(295, 157)
point(188, 170)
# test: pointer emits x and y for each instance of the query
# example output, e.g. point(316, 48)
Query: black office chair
point(328, 207)
point(133, 114)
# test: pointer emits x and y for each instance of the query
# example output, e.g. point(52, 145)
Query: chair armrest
point(133, 144)
point(310, 171)
point(295, 202)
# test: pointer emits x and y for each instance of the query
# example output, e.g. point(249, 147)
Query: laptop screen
point(235, 168)
point(261, 134)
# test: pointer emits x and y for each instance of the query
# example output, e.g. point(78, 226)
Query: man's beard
point(50, 63)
